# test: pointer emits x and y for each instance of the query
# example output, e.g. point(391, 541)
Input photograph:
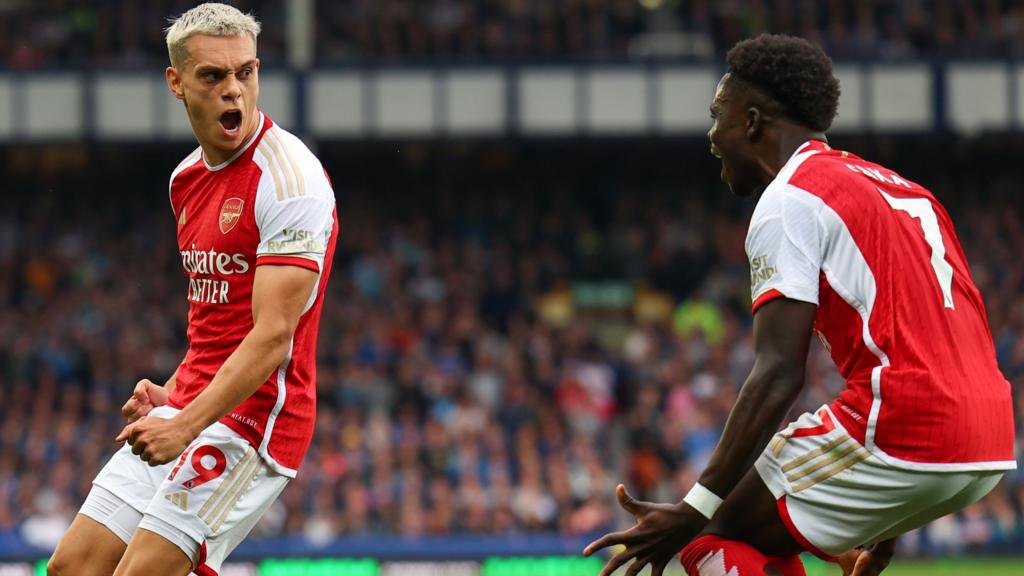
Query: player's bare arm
point(782, 334)
point(782, 338)
point(280, 294)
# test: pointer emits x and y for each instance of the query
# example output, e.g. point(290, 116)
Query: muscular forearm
point(248, 367)
point(763, 403)
point(782, 334)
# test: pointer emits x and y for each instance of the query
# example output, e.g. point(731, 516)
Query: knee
point(697, 551)
point(717, 556)
point(70, 562)
point(59, 565)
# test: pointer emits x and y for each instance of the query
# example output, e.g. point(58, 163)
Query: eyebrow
point(211, 68)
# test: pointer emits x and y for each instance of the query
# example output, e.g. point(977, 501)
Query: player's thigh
point(151, 554)
point(88, 548)
point(750, 515)
point(107, 519)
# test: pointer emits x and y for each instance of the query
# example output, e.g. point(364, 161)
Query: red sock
point(715, 556)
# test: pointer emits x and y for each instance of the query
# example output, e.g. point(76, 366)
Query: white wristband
point(703, 500)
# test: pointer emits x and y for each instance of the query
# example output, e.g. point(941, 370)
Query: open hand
point(156, 440)
point(868, 561)
point(661, 531)
point(145, 397)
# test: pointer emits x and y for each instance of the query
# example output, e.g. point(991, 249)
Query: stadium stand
point(60, 33)
point(510, 331)
point(513, 325)
point(54, 33)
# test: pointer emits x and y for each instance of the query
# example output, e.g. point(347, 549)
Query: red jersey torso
point(897, 309)
point(271, 204)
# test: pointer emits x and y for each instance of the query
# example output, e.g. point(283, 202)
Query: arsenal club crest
point(230, 213)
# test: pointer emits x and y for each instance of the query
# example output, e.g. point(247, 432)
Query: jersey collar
point(812, 145)
point(806, 149)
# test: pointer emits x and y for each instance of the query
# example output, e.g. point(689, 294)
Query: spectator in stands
point(57, 33)
point(449, 401)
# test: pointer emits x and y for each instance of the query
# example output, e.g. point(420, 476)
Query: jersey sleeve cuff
point(791, 292)
point(764, 298)
point(300, 261)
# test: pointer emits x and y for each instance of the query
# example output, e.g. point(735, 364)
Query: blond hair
point(213, 19)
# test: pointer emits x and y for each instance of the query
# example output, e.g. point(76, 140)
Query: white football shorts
point(205, 502)
point(834, 495)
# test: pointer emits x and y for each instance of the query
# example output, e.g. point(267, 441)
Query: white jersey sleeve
point(294, 203)
point(785, 246)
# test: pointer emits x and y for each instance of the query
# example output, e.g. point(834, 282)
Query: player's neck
point(781, 148)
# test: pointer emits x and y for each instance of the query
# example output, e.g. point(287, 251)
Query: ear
point(174, 82)
point(755, 123)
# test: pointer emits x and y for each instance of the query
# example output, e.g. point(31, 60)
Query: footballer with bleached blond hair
point(206, 453)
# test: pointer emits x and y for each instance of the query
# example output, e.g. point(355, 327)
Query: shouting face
point(219, 84)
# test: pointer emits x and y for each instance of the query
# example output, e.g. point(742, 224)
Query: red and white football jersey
point(897, 309)
point(270, 204)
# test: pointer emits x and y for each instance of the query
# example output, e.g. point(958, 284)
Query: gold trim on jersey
point(282, 160)
point(291, 160)
point(282, 165)
point(264, 148)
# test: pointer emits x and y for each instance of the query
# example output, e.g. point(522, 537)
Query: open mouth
point(231, 121)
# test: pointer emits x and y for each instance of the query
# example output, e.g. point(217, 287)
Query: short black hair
point(792, 71)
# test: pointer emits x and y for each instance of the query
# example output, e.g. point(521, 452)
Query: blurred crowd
point(55, 33)
point(508, 332)
point(110, 33)
point(354, 30)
